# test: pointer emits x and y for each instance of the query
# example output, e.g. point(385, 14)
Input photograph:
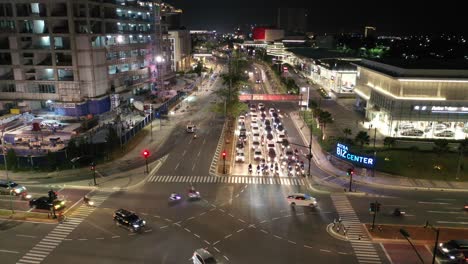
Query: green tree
point(112, 139)
point(325, 118)
point(347, 132)
point(389, 142)
point(362, 138)
point(12, 159)
point(199, 68)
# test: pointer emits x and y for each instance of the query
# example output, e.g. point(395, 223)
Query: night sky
point(331, 16)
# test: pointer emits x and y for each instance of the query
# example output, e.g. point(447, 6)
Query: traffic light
point(372, 207)
point(224, 154)
point(146, 153)
point(350, 172)
point(93, 166)
point(377, 207)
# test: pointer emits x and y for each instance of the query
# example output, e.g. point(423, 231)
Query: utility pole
point(93, 169)
point(406, 235)
point(310, 151)
point(375, 152)
point(437, 230)
point(151, 120)
point(6, 172)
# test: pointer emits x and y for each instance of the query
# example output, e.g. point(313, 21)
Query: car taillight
point(466, 206)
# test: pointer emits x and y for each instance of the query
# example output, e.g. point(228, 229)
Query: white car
point(255, 129)
point(272, 110)
point(255, 136)
point(254, 116)
point(255, 145)
point(301, 199)
point(258, 154)
point(242, 118)
point(240, 157)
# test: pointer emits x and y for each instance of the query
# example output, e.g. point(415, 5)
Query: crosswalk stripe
point(82, 213)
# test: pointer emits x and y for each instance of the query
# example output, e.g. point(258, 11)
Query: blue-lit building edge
point(92, 106)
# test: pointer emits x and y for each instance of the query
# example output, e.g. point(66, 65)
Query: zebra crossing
point(55, 237)
point(357, 236)
point(228, 179)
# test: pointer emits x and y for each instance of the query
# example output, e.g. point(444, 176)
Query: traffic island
point(26, 216)
point(337, 231)
point(419, 234)
point(224, 166)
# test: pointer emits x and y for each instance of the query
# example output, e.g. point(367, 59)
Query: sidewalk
point(380, 179)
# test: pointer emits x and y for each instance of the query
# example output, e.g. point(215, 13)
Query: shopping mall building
point(417, 100)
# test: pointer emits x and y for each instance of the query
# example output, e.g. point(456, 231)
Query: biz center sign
point(342, 151)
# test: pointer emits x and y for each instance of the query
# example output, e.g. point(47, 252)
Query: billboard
point(342, 152)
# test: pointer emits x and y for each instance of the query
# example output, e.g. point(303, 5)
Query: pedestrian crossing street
point(357, 236)
point(228, 179)
point(52, 240)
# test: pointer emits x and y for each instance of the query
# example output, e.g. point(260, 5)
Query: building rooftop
point(317, 53)
point(337, 65)
point(427, 68)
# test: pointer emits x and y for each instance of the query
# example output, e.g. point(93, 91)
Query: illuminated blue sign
point(343, 152)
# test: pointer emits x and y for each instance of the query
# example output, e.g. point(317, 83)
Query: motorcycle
point(398, 212)
point(250, 171)
point(88, 202)
point(194, 195)
point(175, 197)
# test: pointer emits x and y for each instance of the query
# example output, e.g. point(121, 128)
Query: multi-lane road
point(240, 219)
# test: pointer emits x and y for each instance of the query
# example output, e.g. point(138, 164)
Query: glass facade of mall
point(413, 103)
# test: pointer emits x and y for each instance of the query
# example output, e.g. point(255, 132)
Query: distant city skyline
point(327, 17)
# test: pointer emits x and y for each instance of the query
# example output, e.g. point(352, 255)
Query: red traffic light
point(146, 153)
point(224, 154)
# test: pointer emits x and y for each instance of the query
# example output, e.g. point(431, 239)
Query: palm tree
point(347, 132)
point(325, 118)
point(362, 138)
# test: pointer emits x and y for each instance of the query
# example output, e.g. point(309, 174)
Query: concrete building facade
point(418, 101)
point(70, 56)
point(181, 47)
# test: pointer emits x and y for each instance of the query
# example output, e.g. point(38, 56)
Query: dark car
point(243, 134)
point(275, 115)
point(128, 220)
point(239, 145)
point(280, 128)
point(276, 122)
point(83, 160)
point(269, 136)
point(267, 122)
point(453, 251)
point(268, 129)
point(263, 116)
point(46, 204)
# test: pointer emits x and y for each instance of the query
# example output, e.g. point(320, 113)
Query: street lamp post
point(151, 120)
point(93, 169)
point(406, 235)
point(437, 230)
point(6, 172)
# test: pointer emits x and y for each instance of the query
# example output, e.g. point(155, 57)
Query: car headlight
point(452, 257)
point(445, 250)
point(136, 226)
point(144, 222)
point(17, 191)
point(57, 206)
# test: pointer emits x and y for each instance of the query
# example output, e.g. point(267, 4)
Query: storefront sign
point(442, 109)
point(342, 151)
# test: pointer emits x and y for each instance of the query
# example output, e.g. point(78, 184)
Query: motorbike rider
point(397, 212)
point(173, 196)
point(86, 199)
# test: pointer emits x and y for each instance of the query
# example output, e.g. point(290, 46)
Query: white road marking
point(188, 230)
point(240, 230)
point(115, 236)
point(226, 258)
point(20, 235)
point(177, 166)
point(264, 231)
point(199, 154)
point(163, 227)
point(292, 242)
point(444, 212)
point(231, 215)
point(202, 213)
point(190, 218)
point(185, 151)
point(193, 168)
point(216, 249)
point(9, 251)
point(306, 246)
point(325, 250)
point(207, 242)
point(241, 220)
point(278, 237)
point(197, 235)
point(228, 236)
point(216, 242)
point(449, 222)
point(100, 238)
point(432, 203)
